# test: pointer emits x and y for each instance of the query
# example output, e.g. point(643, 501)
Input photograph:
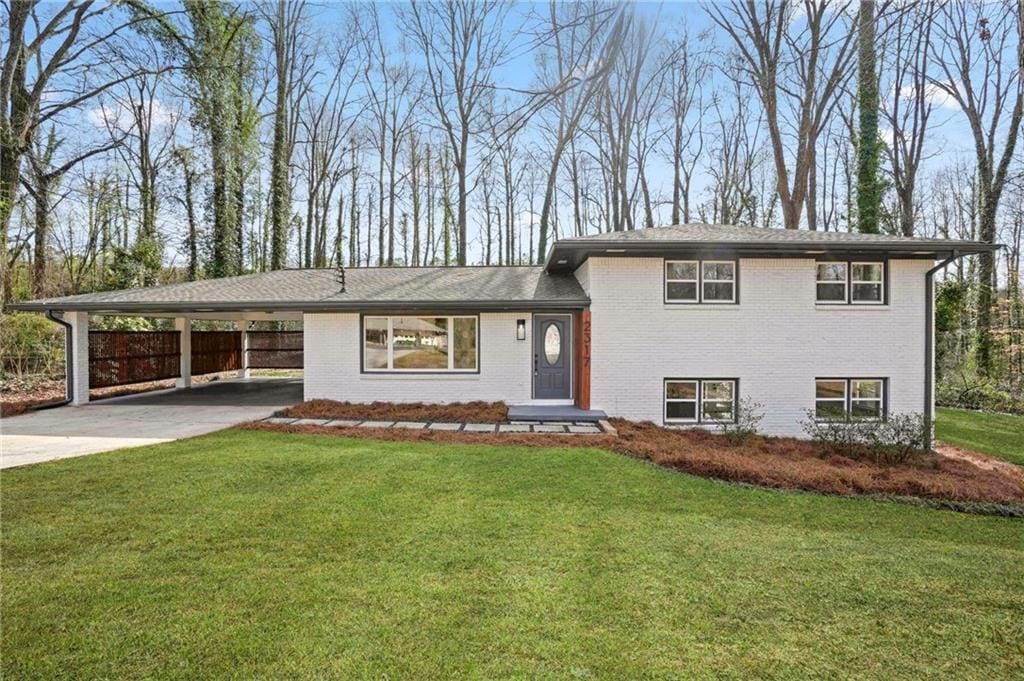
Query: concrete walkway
point(566, 427)
point(145, 419)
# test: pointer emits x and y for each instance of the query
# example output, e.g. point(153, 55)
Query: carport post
point(243, 368)
point(184, 326)
point(79, 369)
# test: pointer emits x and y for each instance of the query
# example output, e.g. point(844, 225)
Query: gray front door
point(552, 357)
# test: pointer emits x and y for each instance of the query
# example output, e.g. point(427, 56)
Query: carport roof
point(371, 288)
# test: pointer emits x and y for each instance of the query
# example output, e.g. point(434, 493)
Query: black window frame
point(700, 262)
point(699, 400)
point(848, 399)
point(884, 263)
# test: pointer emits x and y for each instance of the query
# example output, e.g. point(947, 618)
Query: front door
point(552, 357)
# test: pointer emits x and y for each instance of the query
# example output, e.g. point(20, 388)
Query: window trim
point(698, 401)
point(700, 262)
point(703, 281)
point(849, 282)
point(848, 399)
point(390, 317)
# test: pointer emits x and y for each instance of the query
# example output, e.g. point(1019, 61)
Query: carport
point(100, 359)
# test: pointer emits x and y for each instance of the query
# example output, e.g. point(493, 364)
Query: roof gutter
point(929, 346)
point(69, 375)
point(142, 308)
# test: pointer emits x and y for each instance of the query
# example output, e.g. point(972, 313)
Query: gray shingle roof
point(752, 241)
point(366, 288)
point(706, 233)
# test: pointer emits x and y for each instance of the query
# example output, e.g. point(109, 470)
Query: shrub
point(898, 439)
point(978, 395)
point(749, 415)
point(31, 344)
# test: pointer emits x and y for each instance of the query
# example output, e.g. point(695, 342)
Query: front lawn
point(252, 554)
point(1000, 435)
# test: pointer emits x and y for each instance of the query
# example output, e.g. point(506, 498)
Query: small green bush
point(897, 439)
point(749, 415)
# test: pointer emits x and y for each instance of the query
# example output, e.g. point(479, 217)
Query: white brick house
point(674, 325)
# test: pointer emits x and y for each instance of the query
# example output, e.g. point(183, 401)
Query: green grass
point(254, 555)
point(1000, 435)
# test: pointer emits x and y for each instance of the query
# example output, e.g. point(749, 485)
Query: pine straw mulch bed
point(778, 463)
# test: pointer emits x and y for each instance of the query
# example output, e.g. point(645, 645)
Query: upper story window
point(700, 281)
point(850, 283)
point(423, 344)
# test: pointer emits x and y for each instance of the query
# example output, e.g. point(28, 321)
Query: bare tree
point(463, 43)
point(980, 54)
point(797, 65)
point(908, 108)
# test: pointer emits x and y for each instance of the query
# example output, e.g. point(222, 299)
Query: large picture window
point(425, 344)
point(849, 399)
point(700, 281)
point(691, 400)
point(850, 283)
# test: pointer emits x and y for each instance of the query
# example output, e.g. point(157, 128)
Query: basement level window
point(849, 399)
point(693, 400)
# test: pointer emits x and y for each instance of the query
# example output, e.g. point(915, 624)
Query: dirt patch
point(481, 412)
point(781, 463)
point(980, 460)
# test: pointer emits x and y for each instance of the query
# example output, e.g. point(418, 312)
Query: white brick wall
point(332, 368)
point(776, 341)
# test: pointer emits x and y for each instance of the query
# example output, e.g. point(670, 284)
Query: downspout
point(69, 374)
point(929, 345)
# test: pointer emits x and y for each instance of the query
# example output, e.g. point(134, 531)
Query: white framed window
point(850, 283)
point(424, 344)
point(701, 281)
point(831, 282)
point(849, 399)
point(867, 283)
point(718, 281)
point(693, 400)
point(866, 399)
point(682, 278)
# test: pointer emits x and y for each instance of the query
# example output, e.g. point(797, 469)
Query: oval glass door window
point(552, 344)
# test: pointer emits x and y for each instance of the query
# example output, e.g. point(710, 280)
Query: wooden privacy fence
point(275, 349)
point(121, 357)
point(214, 351)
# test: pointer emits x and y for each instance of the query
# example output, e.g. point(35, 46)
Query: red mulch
point(481, 412)
point(782, 463)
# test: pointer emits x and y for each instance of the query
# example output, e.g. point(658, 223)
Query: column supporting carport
point(243, 367)
point(78, 371)
point(184, 327)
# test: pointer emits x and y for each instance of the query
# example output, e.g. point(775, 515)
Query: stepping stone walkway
point(556, 427)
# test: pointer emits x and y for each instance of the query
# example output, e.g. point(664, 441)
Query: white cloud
point(934, 94)
point(117, 115)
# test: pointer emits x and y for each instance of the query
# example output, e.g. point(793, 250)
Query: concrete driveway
point(143, 419)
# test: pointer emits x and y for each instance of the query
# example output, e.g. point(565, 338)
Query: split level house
point(674, 325)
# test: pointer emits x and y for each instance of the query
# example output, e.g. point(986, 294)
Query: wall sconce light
point(520, 329)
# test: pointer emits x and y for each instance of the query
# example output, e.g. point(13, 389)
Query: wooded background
point(144, 143)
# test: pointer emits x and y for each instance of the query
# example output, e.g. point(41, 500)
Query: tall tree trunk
point(869, 190)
